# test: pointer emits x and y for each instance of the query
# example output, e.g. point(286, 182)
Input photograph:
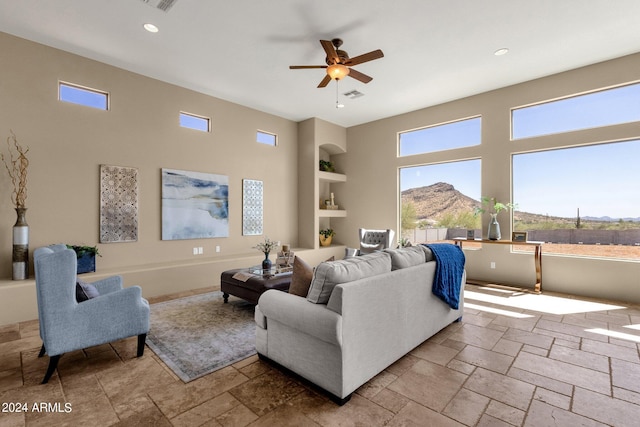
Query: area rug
point(199, 334)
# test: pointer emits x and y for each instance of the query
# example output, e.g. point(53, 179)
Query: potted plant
point(86, 257)
point(493, 233)
point(326, 166)
point(266, 247)
point(326, 236)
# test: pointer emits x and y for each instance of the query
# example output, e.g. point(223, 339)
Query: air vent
point(353, 94)
point(163, 5)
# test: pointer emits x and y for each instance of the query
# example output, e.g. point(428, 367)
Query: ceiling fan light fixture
point(337, 71)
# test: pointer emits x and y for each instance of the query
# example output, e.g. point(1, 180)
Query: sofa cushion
point(301, 277)
point(329, 274)
point(406, 257)
point(427, 253)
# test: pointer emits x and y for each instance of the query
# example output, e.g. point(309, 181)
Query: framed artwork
point(195, 205)
point(118, 204)
point(252, 209)
point(519, 236)
point(471, 234)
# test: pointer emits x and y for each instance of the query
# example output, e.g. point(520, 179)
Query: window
point(266, 138)
point(83, 96)
point(602, 108)
point(437, 201)
point(580, 201)
point(191, 121)
point(463, 133)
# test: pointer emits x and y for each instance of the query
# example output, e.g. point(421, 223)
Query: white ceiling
point(240, 50)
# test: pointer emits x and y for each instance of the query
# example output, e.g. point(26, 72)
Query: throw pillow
point(300, 278)
point(427, 253)
point(406, 257)
point(85, 291)
point(329, 274)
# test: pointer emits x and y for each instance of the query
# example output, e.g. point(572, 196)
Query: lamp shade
point(337, 71)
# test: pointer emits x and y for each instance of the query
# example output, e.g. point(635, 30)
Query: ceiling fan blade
point(325, 81)
point(330, 50)
point(359, 76)
point(304, 67)
point(376, 54)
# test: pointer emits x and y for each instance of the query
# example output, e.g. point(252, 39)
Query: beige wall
point(67, 143)
point(372, 164)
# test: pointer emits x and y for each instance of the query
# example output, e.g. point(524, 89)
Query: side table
point(537, 257)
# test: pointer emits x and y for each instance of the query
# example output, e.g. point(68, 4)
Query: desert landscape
point(442, 206)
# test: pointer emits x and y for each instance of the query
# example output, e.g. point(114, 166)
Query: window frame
point(263, 132)
point(194, 116)
point(521, 249)
point(75, 86)
point(564, 98)
point(440, 124)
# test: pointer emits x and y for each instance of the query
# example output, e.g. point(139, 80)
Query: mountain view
point(434, 202)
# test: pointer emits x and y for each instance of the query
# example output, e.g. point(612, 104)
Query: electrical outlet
point(493, 264)
point(195, 251)
point(200, 250)
point(217, 248)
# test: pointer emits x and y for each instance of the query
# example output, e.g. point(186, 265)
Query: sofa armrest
point(298, 313)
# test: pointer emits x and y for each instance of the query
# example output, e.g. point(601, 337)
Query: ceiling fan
point(339, 64)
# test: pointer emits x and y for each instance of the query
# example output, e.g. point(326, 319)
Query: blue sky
point(601, 179)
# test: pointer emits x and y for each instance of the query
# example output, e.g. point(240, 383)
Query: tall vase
point(266, 263)
point(21, 246)
point(493, 232)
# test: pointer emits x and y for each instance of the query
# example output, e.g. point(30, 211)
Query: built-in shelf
point(331, 177)
point(332, 213)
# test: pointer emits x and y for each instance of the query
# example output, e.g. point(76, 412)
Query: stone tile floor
point(515, 360)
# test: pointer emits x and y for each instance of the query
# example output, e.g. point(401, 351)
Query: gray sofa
point(380, 306)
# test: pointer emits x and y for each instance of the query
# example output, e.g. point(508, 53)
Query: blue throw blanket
point(449, 268)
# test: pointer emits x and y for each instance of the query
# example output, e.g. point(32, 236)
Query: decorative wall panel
point(118, 204)
point(252, 191)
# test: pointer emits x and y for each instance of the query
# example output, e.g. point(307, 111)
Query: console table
point(537, 257)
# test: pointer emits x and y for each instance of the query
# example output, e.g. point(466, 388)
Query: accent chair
point(110, 314)
point(375, 240)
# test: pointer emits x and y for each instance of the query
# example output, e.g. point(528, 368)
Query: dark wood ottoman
point(254, 286)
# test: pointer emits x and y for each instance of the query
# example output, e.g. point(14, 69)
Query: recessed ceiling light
point(151, 28)
point(501, 51)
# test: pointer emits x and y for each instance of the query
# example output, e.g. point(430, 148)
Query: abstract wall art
point(195, 205)
point(251, 207)
point(118, 204)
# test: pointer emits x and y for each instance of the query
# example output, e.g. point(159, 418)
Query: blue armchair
point(66, 325)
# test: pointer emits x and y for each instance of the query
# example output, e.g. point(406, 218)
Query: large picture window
point(437, 201)
point(602, 108)
point(580, 201)
point(458, 134)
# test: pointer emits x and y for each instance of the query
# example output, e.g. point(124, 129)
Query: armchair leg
point(141, 340)
point(42, 350)
point(53, 364)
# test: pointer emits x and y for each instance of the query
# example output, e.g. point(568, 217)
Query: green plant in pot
point(326, 236)
point(86, 257)
point(326, 166)
point(493, 232)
